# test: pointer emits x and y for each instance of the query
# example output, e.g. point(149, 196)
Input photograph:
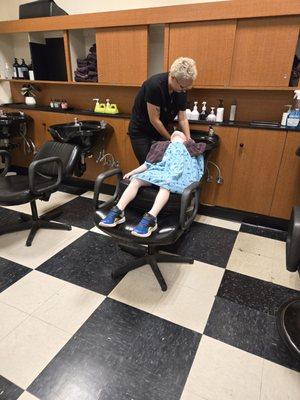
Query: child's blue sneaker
point(114, 217)
point(146, 226)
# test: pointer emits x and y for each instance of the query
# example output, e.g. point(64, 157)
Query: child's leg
point(130, 192)
point(160, 201)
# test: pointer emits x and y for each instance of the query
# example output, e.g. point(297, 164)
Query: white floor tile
point(27, 396)
point(223, 372)
point(188, 300)
point(279, 383)
point(97, 230)
point(56, 199)
point(10, 318)
point(69, 308)
point(46, 244)
point(222, 223)
point(137, 291)
point(102, 197)
point(186, 395)
point(30, 292)
point(259, 245)
point(26, 351)
point(261, 267)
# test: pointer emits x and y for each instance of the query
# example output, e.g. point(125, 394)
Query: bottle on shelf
point(25, 69)
point(212, 116)
point(220, 111)
point(188, 113)
point(16, 69)
point(64, 105)
point(195, 112)
point(232, 111)
point(107, 105)
point(7, 73)
point(203, 113)
point(285, 115)
point(293, 118)
point(51, 103)
point(30, 72)
point(20, 71)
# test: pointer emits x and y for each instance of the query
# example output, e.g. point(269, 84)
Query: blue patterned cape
point(175, 171)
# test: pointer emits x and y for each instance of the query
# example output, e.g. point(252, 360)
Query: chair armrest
point(98, 183)
point(32, 172)
point(190, 193)
point(7, 159)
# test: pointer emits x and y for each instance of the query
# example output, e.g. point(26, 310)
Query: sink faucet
point(76, 122)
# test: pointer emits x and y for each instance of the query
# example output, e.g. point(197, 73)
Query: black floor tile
point(8, 390)
point(88, 262)
point(8, 217)
point(206, 243)
point(72, 189)
point(254, 293)
point(78, 212)
point(120, 353)
point(263, 231)
point(249, 330)
point(11, 272)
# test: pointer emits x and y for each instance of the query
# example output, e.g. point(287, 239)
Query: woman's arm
point(141, 168)
point(154, 114)
point(184, 124)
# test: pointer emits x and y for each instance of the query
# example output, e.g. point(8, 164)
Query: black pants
point(141, 147)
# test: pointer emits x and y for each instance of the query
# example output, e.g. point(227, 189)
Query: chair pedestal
point(149, 255)
point(34, 223)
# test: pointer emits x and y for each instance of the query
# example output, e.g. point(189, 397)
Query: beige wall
point(9, 9)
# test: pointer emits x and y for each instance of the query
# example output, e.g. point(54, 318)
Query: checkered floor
point(68, 331)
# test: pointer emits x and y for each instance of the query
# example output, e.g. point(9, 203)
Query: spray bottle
point(293, 118)
point(203, 113)
point(195, 112)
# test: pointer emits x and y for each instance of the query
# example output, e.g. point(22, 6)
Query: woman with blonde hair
point(161, 98)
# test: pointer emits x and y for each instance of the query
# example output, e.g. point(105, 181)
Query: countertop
point(235, 124)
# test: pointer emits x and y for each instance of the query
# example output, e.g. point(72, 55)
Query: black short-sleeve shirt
point(155, 91)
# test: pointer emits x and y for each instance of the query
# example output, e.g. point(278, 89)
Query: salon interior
point(207, 306)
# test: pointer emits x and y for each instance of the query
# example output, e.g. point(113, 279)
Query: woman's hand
point(128, 175)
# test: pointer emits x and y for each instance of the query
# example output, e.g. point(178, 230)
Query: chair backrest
point(68, 153)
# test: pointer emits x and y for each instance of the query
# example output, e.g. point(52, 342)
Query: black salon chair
point(53, 162)
point(288, 315)
point(173, 220)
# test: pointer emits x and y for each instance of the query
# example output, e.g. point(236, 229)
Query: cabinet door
point(287, 191)
point(210, 44)
point(214, 193)
point(122, 55)
point(264, 51)
point(256, 165)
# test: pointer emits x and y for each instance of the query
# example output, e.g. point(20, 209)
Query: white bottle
point(195, 112)
point(188, 113)
point(7, 71)
point(232, 111)
point(212, 116)
point(220, 112)
point(285, 115)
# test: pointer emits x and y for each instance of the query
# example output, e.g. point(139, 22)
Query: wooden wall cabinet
point(122, 55)
point(257, 159)
point(213, 193)
point(287, 190)
point(264, 51)
point(210, 44)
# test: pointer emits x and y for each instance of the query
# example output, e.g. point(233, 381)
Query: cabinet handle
point(242, 145)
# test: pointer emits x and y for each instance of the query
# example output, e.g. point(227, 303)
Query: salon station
point(150, 200)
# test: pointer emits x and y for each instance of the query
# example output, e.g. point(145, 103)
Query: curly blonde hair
point(184, 68)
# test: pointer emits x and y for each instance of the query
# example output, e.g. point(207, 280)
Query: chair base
point(34, 223)
point(148, 255)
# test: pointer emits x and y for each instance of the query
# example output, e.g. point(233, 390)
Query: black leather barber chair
point(52, 163)
point(175, 219)
point(288, 315)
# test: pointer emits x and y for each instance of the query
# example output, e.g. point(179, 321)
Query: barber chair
point(288, 315)
point(52, 163)
point(174, 220)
